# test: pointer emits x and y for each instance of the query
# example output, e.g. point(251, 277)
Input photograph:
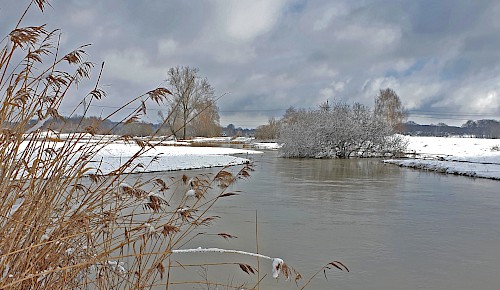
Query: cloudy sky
point(441, 57)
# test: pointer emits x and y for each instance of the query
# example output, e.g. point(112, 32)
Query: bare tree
point(189, 90)
point(269, 131)
point(206, 120)
point(388, 107)
point(172, 123)
point(487, 128)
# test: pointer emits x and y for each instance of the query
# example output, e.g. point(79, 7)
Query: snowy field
point(462, 156)
point(171, 157)
point(167, 155)
point(181, 156)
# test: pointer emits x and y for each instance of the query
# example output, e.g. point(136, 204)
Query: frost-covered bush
point(341, 131)
point(298, 139)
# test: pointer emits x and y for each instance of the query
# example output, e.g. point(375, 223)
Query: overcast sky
point(442, 57)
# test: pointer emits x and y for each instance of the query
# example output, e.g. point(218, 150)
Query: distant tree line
point(95, 125)
point(139, 129)
point(485, 128)
point(232, 131)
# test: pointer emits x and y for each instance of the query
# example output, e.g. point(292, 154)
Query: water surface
point(395, 228)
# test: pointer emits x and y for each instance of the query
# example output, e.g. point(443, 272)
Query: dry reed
point(64, 224)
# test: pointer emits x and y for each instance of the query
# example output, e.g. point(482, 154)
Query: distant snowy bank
point(266, 145)
point(461, 156)
point(166, 155)
point(180, 155)
point(167, 158)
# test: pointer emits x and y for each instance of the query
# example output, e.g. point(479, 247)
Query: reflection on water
point(395, 228)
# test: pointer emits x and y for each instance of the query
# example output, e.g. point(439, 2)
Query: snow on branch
point(277, 262)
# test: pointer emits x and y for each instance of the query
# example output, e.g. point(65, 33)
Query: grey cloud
point(433, 53)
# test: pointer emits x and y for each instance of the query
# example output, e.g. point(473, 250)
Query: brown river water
point(394, 228)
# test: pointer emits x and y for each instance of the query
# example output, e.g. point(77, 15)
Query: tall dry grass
point(64, 224)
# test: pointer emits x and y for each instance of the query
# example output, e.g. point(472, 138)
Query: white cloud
point(246, 20)
point(324, 70)
point(413, 93)
point(339, 86)
point(327, 93)
point(487, 101)
point(333, 90)
point(230, 31)
point(477, 94)
point(328, 16)
point(167, 47)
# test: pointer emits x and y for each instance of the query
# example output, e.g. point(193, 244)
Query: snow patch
point(460, 156)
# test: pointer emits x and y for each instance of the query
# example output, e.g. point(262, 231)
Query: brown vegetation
point(388, 107)
point(64, 224)
point(192, 106)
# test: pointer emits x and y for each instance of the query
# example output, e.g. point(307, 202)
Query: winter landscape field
point(462, 156)
point(472, 157)
point(249, 145)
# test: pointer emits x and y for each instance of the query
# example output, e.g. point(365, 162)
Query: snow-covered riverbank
point(166, 158)
point(462, 156)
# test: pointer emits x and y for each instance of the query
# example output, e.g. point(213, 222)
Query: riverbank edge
point(461, 168)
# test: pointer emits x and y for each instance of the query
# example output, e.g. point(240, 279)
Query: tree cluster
point(484, 128)
point(269, 131)
point(338, 130)
point(389, 108)
point(192, 109)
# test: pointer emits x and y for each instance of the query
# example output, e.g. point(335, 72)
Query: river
point(394, 228)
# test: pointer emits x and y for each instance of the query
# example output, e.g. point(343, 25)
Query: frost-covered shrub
point(341, 131)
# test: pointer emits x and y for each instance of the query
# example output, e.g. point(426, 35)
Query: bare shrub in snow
point(339, 130)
